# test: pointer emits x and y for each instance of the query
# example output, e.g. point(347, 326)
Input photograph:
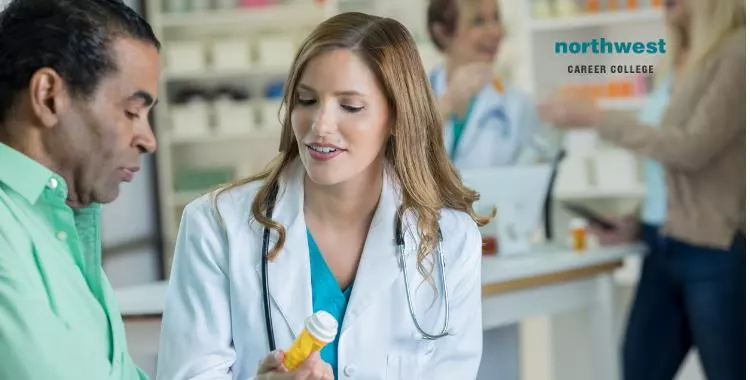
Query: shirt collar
point(26, 176)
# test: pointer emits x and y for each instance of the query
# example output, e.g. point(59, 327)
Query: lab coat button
point(350, 370)
point(62, 235)
point(52, 184)
point(430, 348)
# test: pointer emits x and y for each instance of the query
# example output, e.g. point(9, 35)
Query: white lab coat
point(214, 328)
point(499, 131)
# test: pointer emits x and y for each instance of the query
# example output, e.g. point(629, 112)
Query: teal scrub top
point(459, 125)
point(328, 296)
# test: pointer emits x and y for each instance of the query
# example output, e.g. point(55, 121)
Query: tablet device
point(590, 215)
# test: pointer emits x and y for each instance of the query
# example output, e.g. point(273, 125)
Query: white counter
point(545, 282)
point(148, 299)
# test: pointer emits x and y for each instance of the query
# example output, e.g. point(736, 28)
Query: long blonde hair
point(415, 152)
point(710, 23)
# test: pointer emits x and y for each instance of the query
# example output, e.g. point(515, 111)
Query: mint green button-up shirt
point(58, 317)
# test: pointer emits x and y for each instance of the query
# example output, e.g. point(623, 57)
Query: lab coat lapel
point(439, 84)
point(378, 266)
point(482, 105)
point(289, 273)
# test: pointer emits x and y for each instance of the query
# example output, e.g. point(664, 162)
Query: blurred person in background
point(361, 151)
point(486, 122)
point(77, 81)
point(692, 286)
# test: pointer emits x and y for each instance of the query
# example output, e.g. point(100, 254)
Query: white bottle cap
point(577, 223)
point(323, 326)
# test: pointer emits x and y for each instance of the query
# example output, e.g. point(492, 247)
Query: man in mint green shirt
point(77, 81)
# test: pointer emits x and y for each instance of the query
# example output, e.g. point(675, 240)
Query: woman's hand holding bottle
point(313, 368)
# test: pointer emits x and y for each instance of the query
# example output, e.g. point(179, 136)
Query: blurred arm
point(717, 122)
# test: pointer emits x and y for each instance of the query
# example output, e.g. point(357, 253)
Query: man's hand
point(314, 368)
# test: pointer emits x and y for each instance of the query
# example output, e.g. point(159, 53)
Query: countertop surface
point(148, 299)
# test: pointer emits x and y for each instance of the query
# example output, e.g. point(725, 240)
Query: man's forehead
point(137, 63)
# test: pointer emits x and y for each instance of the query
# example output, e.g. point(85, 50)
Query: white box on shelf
point(185, 57)
point(234, 117)
point(270, 118)
point(191, 120)
point(276, 51)
point(231, 54)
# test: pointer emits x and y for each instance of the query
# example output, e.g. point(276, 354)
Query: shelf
point(254, 72)
point(622, 104)
point(259, 17)
point(596, 20)
point(222, 138)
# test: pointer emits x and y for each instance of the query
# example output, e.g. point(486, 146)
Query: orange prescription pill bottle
point(578, 234)
point(320, 329)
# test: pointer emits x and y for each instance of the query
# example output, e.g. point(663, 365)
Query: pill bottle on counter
point(578, 234)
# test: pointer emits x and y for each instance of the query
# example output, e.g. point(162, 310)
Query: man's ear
point(48, 96)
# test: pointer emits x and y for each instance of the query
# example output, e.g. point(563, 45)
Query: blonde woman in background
point(692, 287)
point(361, 150)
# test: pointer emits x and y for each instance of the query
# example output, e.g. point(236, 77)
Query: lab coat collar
point(489, 98)
point(289, 273)
point(378, 266)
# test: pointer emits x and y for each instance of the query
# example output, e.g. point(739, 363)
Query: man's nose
point(145, 140)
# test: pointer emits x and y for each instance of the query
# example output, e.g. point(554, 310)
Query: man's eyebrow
point(144, 96)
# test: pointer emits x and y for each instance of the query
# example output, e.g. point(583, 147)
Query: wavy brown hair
point(415, 153)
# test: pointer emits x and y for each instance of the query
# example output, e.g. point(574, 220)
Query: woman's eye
point(131, 115)
point(351, 109)
point(305, 101)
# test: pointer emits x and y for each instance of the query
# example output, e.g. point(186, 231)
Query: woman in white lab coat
point(486, 123)
point(361, 150)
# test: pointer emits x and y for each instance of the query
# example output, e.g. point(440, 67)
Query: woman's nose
point(324, 121)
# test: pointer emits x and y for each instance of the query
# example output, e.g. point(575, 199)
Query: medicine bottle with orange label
point(320, 329)
point(578, 234)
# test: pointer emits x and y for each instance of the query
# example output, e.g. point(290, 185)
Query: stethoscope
point(402, 263)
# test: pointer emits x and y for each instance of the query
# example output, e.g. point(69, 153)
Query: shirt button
point(52, 183)
point(417, 336)
point(350, 370)
point(62, 235)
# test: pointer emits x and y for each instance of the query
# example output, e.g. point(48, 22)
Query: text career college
point(610, 69)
